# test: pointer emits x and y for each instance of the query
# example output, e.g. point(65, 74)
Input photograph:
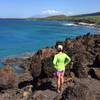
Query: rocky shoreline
point(88, 24)
point(36, 82)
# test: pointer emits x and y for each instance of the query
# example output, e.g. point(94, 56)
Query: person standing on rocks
point(60, 61)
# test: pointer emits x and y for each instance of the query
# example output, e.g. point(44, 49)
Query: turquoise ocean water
point(19, 37)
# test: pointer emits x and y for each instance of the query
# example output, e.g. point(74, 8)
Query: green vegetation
point(93, 18)
point(87, 19)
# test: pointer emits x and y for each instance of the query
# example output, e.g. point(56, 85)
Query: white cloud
point(54, 12)
point(51, 12)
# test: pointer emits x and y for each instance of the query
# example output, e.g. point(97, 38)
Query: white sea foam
point(86, 24)
point(69, 24)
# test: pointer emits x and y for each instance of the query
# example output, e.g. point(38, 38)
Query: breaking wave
point(69, 24)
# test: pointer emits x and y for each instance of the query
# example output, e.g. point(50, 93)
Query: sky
point(36, 8)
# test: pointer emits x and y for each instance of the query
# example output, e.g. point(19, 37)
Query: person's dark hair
point(59, 50)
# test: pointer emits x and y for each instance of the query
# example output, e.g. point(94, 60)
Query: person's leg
point(62, 80)
point(58, 83)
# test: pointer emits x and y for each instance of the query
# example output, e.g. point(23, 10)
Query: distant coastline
point(75, 20)
point(92, 18)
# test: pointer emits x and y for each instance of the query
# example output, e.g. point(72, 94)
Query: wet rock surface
point(36, 82)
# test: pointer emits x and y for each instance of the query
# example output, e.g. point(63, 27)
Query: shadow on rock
point(46, 85)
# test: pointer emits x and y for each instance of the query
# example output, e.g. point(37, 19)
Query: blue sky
point(29, 8)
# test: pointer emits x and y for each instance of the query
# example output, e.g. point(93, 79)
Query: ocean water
point(18, 37)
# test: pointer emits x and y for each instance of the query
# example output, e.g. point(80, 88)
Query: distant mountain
point(81, 15)
point(92, 18)
point(89, 14)
point(57, 16)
